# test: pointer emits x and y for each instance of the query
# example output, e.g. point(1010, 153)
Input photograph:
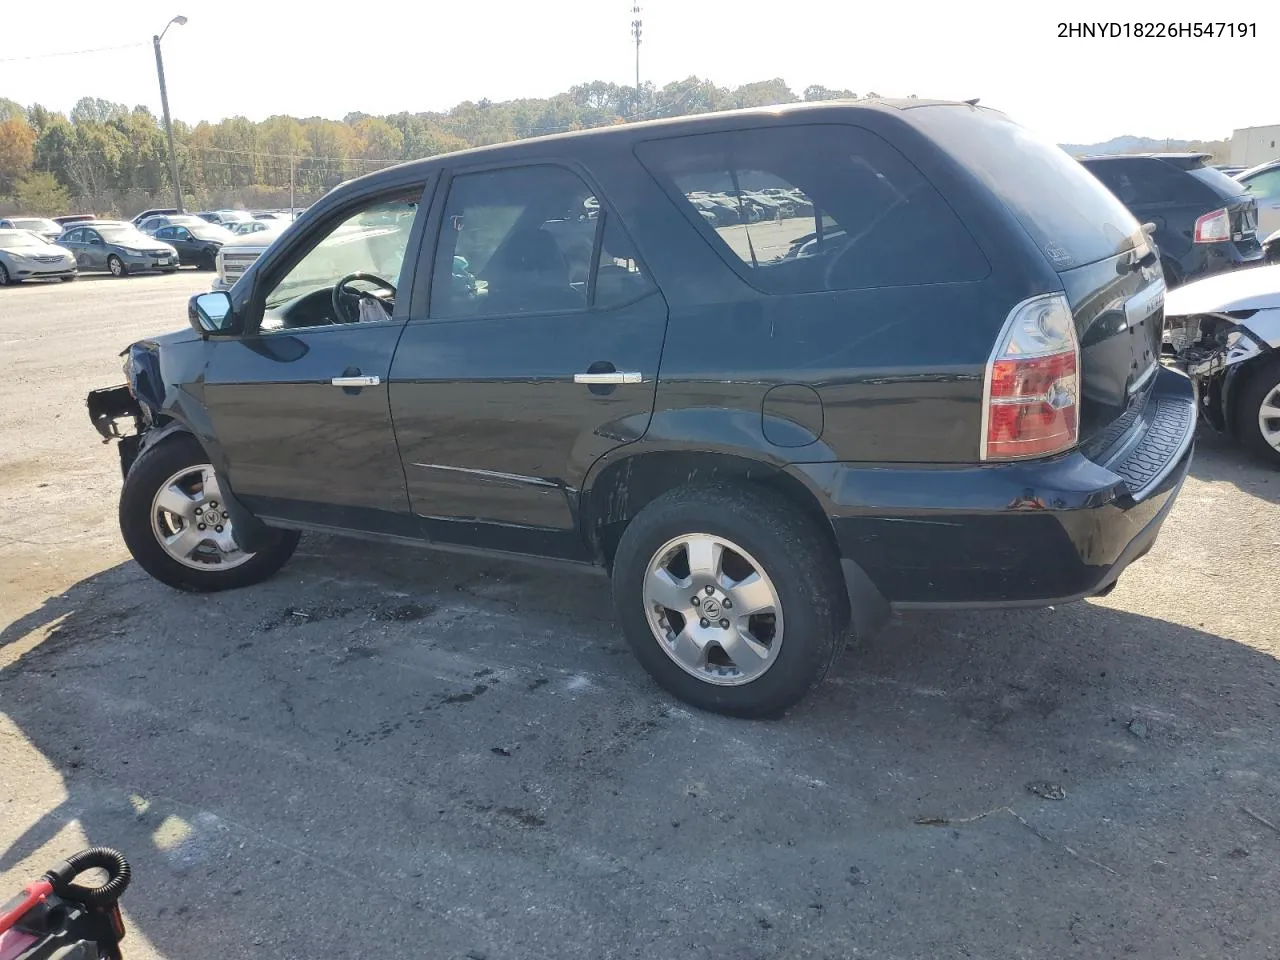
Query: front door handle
point(614, 377)
point(356, 381)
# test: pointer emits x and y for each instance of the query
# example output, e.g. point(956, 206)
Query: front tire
point(70, 278)
point(208, 261)
point(1258, 412)
point(732, 601)
point(5, 279)
point(177, 527)
point(116, 266)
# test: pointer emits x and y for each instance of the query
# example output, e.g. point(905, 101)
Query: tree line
point(109, 159)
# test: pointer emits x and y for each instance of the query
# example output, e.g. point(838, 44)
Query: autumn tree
point(17, 143)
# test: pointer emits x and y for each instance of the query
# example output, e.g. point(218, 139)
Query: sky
point(268, 57)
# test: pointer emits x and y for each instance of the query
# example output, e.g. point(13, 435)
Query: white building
point(1254, 145)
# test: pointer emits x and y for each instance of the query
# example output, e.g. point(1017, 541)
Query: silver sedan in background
point(28, 256)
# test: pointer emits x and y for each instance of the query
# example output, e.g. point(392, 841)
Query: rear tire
point(116, 266)
point(768, 555)
point(170, 490)
point(1258, 428)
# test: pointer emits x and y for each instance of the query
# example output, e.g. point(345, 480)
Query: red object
point(1033, 407)
point(16, 909)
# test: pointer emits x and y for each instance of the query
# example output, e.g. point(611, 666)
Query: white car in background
point(1263, 181)
point(241, 250)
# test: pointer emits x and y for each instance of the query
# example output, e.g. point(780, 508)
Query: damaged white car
point(1224, 332)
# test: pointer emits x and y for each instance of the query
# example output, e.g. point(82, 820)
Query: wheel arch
point(250, 532)
point(617, 491)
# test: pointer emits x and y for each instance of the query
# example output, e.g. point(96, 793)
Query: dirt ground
point(386, 752)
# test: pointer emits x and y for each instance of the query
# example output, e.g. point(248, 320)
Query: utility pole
point(168, 123)
point(636, 24)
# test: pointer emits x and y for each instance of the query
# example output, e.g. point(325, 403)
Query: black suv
point(1205, 221)
point(930, 380)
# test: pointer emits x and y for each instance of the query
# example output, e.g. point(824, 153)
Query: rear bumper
point(1017, 534)
point(1205, 259)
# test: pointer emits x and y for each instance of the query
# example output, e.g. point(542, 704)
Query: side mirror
point(211, 313)
point(1149, 229)
point(96, 242)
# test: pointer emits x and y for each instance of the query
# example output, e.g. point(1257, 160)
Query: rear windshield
point(1072, 217)
point(1221, 184)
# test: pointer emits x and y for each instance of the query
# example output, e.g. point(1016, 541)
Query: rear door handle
point(616, 376)
point(356, 381)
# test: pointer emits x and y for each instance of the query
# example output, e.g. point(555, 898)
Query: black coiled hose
point(103, 858)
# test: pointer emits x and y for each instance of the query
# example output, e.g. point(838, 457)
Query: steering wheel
point(346, 303)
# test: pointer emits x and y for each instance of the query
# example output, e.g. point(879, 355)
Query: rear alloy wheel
point(1258, 412)
point(176, 523)
point(116, 266)
point(732, 601)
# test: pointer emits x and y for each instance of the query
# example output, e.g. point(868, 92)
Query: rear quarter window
point(1221, 184)
point(807, 209)
point(1069, 214)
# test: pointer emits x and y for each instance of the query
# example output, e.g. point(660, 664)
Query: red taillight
point(1033, 383)
point(1213, 227)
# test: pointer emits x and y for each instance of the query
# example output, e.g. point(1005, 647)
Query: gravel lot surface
point(386, 752)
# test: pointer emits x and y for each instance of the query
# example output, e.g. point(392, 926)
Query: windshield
point(1069, 214)
point(20, 240)
point(128, 235)
point(35, 223)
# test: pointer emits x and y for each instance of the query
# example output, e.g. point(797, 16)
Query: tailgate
point(1243, 213)
point(1119, 314)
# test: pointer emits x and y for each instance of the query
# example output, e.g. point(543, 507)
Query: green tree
point(818, 92)
point(96, 110)
point(41, 195)
point(10, 109)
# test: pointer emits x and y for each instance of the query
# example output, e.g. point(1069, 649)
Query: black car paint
point(864, 405)
point(193, 250)
point(1175, 213)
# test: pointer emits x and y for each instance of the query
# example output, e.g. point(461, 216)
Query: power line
point(72, 53)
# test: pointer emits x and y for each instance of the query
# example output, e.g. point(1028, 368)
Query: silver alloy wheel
point(713, 609)
point(116, 266)
point(191, 522)
point(1269, 417)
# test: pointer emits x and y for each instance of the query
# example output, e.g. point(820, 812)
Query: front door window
point(352, 275)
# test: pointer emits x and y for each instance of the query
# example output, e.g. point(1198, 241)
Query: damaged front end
point(1219, 328)
point(112, 408)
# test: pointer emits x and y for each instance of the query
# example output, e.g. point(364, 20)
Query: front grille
point(53, 259)
point(157, 253)
point(235, 264)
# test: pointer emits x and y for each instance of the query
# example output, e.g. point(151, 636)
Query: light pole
point(636, 25)
point(164, 103)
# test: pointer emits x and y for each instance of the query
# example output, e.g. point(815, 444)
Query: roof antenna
point(973, 102)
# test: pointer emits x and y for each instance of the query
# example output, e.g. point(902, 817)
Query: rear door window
point(530, 239)
point(845, 212)
point(1069, 214)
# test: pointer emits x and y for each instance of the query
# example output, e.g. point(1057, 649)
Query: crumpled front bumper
point(107, 407)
